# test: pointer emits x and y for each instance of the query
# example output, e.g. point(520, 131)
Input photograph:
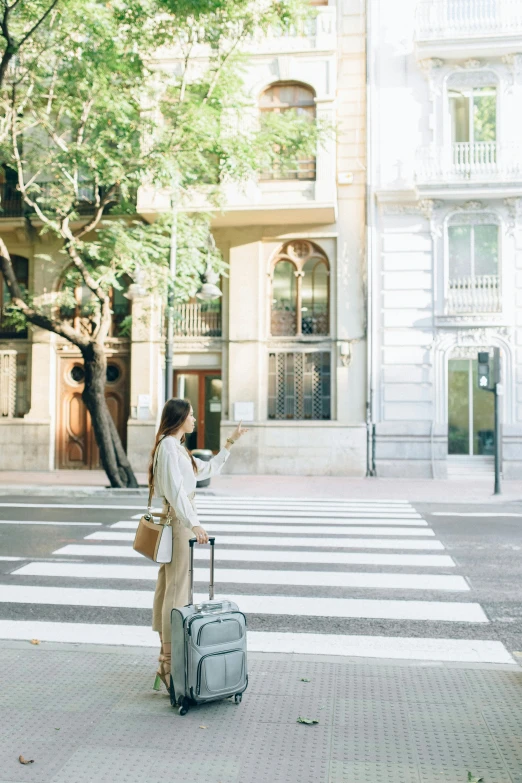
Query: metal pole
point(497, 490)
point(169, 347)
point(370, 260)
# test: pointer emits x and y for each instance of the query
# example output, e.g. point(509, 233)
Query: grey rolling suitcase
point(209, 660)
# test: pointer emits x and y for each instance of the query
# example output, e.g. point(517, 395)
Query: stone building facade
point(446, 233)
point(285, 349)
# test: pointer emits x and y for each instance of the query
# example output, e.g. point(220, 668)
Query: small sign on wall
point(143, 407)
point(243, 411)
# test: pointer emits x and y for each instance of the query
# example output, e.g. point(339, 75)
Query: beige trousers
point(172, 586)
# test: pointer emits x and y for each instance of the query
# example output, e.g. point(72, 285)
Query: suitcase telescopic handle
point(192, 541)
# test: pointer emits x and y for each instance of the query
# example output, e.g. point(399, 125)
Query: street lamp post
point(169, 347)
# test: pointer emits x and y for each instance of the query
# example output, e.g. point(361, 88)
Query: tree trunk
point(112, 455)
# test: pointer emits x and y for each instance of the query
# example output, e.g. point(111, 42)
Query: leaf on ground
point(305, 679)
point(203, 727)
point(35, 641)
point(25, 761)
point(307, 721)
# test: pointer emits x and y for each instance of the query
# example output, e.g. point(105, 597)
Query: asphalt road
point(485, 547)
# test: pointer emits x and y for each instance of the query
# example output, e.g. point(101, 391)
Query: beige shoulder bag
point(154, 539)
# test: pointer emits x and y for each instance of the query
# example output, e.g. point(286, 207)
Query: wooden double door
point(203, 389)
point(76, 444)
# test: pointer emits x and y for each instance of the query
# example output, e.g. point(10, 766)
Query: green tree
point(92, 111)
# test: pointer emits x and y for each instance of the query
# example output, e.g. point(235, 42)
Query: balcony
point(13, 206)
point(467, 28)
point(480, 162)
point(198, 320)
point(477, 294)
point(316, 34)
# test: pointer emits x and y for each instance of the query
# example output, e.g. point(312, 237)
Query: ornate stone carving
point(470, 78)
point(514, 213)
point(430, 64)
point(472, 64)
point(474, 218)
point(425, 207)
point(468, 205)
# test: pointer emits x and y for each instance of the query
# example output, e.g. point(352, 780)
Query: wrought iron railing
point(197, 320)
point(12, 204)
point(473, 294)
point(467, 18)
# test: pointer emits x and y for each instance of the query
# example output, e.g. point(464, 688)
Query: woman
point(173, 473)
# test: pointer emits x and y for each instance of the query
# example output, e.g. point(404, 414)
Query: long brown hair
point(174, 415)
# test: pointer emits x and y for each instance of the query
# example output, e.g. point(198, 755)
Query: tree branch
point(72, 252)
point(214, 81)
point(91, 225)
point(38, 23)
point(32, 315)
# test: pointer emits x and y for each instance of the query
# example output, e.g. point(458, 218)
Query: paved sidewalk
point(67, 482)
point(88, 715)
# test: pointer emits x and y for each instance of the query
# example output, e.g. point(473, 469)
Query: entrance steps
point(464, 467)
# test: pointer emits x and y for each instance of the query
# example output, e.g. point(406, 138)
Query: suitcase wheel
point(184, 706)
point(238, 698)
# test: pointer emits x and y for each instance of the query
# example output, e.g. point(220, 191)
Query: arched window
point(300, 291)
point(21, 270)
point(290, 96)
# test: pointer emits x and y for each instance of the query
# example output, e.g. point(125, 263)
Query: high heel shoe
point(162, 675)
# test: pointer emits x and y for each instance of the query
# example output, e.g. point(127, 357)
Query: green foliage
point(473, 779)
point(88, 116)
point(485, 117)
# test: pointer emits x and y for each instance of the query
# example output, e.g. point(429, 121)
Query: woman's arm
point(215, 465)
point(171, 480)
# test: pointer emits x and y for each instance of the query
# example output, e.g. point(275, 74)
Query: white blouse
point(175, 480)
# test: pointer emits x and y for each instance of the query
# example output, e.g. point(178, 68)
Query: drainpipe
point(370, 227)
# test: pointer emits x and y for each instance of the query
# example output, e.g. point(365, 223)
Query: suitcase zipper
point(199, 616)
point(211, 655)
point(228, 620)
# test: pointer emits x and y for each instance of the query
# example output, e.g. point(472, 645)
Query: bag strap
point(151, 488)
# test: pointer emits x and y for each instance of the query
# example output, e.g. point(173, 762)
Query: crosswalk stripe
point(254, 576)
point(261, 556)
point(438, 611)
point(346, 530)
point(277, 524)
point(235, 499)
point(337, 519)
point(43, 522)
point(406, 648)
point(302, 517)
point(98, 506)
point(282, 541)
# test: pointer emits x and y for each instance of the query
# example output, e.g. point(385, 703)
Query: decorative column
point(7, 383)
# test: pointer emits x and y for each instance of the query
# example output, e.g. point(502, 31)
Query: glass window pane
point(484, 117)
point(284, 321)
point(213, 387)
point(459, 241)
point(483, 417)
point(458, 406)
point(486, 250)
point(314, 297)
point(187, 387)
point(459, 110)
